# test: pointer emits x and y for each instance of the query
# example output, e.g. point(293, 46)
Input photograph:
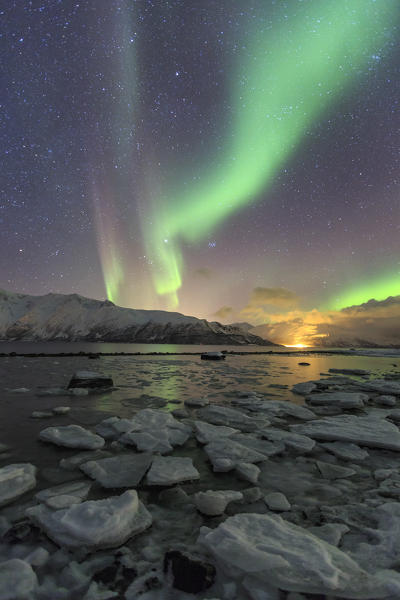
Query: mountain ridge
point(71, 317)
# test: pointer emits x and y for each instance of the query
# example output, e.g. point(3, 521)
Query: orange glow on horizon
point(296, 345)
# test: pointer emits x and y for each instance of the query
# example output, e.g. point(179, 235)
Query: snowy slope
point(75, 318)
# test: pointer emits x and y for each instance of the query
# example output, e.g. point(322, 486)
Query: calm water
point(144, 381)
point(75, 347)
point(57, 347)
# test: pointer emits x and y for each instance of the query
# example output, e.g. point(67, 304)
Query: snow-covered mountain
point(75, 318)
point(244, 326)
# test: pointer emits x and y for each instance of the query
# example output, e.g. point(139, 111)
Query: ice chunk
point(277, 501)
point(386, 400)
point(197, 402)
point(295, 441)
point(154, 441)
point(345, 450)
point(205, 432)
point(73, 462)
point(350, 371)
point(125, 470)
point(232, 417)
point(247, 471)
point(78, 489)
point(368, 431)
point(72, 436)
point(41, 414)
point(15, 480)
point(281, 408)
point(382, 386)
point(345, 400)
point(150, 430)
point(214, 503)
point(94, 524)
point(112, 427)
point(61, 410)
point(267, 550)
point(304, 388)
point(17, 580)
point(232, 451)
point(330, 471)
point(167, 470)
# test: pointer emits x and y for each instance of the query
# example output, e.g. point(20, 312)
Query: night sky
point(230, 158)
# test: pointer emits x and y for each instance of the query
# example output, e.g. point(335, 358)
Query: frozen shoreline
point(254, 492)
point(393, 352)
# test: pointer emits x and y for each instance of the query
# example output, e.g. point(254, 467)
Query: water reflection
point(146, 381)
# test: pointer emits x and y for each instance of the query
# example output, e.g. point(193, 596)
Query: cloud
point(296, 327)
point(265, 301)
point(281, 297)
point(280, 320)
point(376, 322)
point(204, 272)
point(225, 312)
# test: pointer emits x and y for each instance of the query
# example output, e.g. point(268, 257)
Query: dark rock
point(213, 356)
point(20, 532)
point(90, 379)
point(304, 364)
point(116, 577)
point(108, 574)
point(191, 575)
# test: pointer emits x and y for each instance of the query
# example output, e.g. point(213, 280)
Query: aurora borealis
point(180, 156)
point(279, 90)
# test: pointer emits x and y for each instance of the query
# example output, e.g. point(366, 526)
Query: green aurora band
point(378, 289)
point(105, 193)
point(286, 79)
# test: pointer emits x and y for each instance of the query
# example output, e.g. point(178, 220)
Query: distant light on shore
point(295, 345)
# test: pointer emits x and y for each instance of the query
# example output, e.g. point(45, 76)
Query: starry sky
point(227, 159)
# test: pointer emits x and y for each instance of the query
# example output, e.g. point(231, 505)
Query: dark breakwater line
point(95, 355)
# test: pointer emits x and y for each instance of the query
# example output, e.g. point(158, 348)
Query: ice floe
point(72, 463)
point(345, 400)
point(125, 470)
point(304, 388)
point(214, 503)
point(294, 441)
point(364, 430)
point(205, 432)
point(346, 450)
point(17, 580)
point(72, 436)
point(277, 501)
point(94, 524)
point(75, 489)
point(231, 417)
point(168, 470)
point(149, 430)
point(226, 454)
point(15, 480)
point(261, 550)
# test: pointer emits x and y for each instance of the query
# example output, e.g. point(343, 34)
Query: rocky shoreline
point(249, 499)
point(95, 355)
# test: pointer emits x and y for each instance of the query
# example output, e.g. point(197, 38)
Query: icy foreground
point(244, 498)
point(263, 551)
